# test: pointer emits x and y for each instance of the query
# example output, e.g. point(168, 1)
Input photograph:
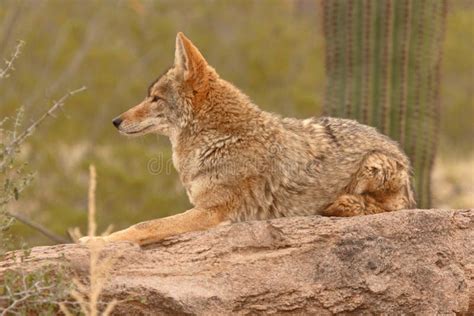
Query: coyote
point(240, 163)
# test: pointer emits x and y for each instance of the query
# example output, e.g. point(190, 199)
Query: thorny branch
point(30, 289)
point(18, 297)
point(9, 62)
point(16, 141)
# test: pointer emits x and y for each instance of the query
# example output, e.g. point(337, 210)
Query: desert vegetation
point(52, 128)
point(383, 62)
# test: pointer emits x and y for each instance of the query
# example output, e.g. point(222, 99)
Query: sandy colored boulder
point(408, 262)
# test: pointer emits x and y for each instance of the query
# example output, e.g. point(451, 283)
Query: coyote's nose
point(117, 121)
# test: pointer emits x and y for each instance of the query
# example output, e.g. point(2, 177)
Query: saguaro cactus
point(383, 62)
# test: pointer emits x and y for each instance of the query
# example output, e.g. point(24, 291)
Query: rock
point(413, 262)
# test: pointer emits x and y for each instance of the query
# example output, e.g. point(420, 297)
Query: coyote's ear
point(188, 60)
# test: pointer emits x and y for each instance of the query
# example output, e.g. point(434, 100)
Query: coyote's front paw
point(92, 240)
point(102, 240)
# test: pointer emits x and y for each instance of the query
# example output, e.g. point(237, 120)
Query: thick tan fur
point(240, 163)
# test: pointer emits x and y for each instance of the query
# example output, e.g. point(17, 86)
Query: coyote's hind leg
point(353, 205)
point(381, 184)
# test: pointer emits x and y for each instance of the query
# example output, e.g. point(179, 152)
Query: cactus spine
point(383, 65)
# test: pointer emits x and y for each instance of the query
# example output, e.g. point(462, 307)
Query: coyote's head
point(173, 100)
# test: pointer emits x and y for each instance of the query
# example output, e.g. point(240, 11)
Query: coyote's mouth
point(139, 131)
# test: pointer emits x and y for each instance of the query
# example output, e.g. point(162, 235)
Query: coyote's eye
point(155, 98)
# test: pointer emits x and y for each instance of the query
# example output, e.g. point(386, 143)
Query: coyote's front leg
point(152, 231)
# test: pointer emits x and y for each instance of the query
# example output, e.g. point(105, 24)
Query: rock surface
point(414, 262)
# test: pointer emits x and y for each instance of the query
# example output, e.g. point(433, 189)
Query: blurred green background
point(271, 49)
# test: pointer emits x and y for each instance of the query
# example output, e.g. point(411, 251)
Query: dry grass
point(87, 294)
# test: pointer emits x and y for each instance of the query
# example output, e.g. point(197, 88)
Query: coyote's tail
point(409, 192)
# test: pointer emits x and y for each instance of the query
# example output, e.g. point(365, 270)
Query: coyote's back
point(325, 166)
point(238, 162)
